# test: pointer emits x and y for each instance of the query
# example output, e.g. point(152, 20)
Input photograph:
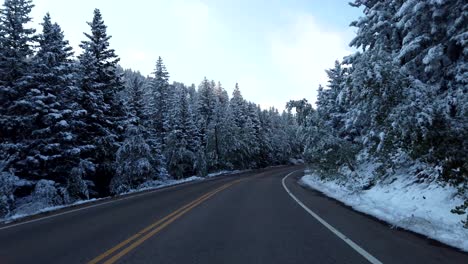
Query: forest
point(79, 127)
point(75, 126)
point(400, 102)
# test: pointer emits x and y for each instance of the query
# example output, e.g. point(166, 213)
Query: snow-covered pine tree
point(193, 95)
point(251, 135)
point(182, 137)
point(270, 149)
point(159, 89)
point(291, 143)
point(417, 47)
point(237, 104)
point(333, 110)
point(100, 84)
point(266, 155)
point(433, 56)
point(16, 40)
point(303, 110)
point(136, 103)
point(205, 107)
point(53, 146)
point(158, 102)
point(324, 148)
point(134, 96)
point(238, 151)
point(217, 141)
point(134, 165)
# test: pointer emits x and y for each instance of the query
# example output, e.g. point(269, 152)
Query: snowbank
point(404, 202)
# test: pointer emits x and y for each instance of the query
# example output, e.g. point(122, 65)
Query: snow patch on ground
point(40, 210)
point(296, 161)
point(225, 172)
point(423, 208)
point(157, 184)
point(31, 208)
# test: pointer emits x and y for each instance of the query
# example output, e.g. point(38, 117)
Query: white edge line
point(348, 241)
point(108, 202)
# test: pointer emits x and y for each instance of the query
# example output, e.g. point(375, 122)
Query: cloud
point(188, 40)
point(176, 30)
point(276, 56)
point(302, 50)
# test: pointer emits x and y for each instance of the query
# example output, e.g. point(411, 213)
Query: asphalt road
point(247, 218)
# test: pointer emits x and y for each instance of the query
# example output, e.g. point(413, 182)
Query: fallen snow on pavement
point(423, 208)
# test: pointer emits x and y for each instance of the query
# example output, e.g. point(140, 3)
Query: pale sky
point(276, 50)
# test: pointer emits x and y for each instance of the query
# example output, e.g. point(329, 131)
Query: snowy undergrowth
point(44, 196)
point(403, 201)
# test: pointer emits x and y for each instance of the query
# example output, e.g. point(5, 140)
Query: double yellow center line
point(149, 231)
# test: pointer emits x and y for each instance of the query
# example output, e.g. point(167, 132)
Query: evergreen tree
point(52, 150)
point(433, 56)
point(134, 96)
point(238, 151)
point(100, 84)
point(134, 165)
point(16, 41)
point(217, 143)
point(251, 135)
point(160, 103)
point(237, 105)
point(205, 109)
point(182, 137)
point(157, 110)
point(137, 102)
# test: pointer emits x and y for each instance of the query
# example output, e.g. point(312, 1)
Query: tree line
point(79, 127)
point(400, 101)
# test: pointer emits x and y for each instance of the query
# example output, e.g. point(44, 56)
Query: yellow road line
point(130, 239)
point(138, 234)
point(142, 232)
point(157, 230)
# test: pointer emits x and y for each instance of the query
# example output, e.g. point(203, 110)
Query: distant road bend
point(262, 216)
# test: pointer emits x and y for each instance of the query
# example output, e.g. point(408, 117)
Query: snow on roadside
point(151, 185)
point(423, 208)
point(157, 184)
point(225, 172)
point(18, 216)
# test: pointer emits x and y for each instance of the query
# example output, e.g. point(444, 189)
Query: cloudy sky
point(276, 50)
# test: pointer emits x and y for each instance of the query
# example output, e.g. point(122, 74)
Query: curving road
point(254, 217)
